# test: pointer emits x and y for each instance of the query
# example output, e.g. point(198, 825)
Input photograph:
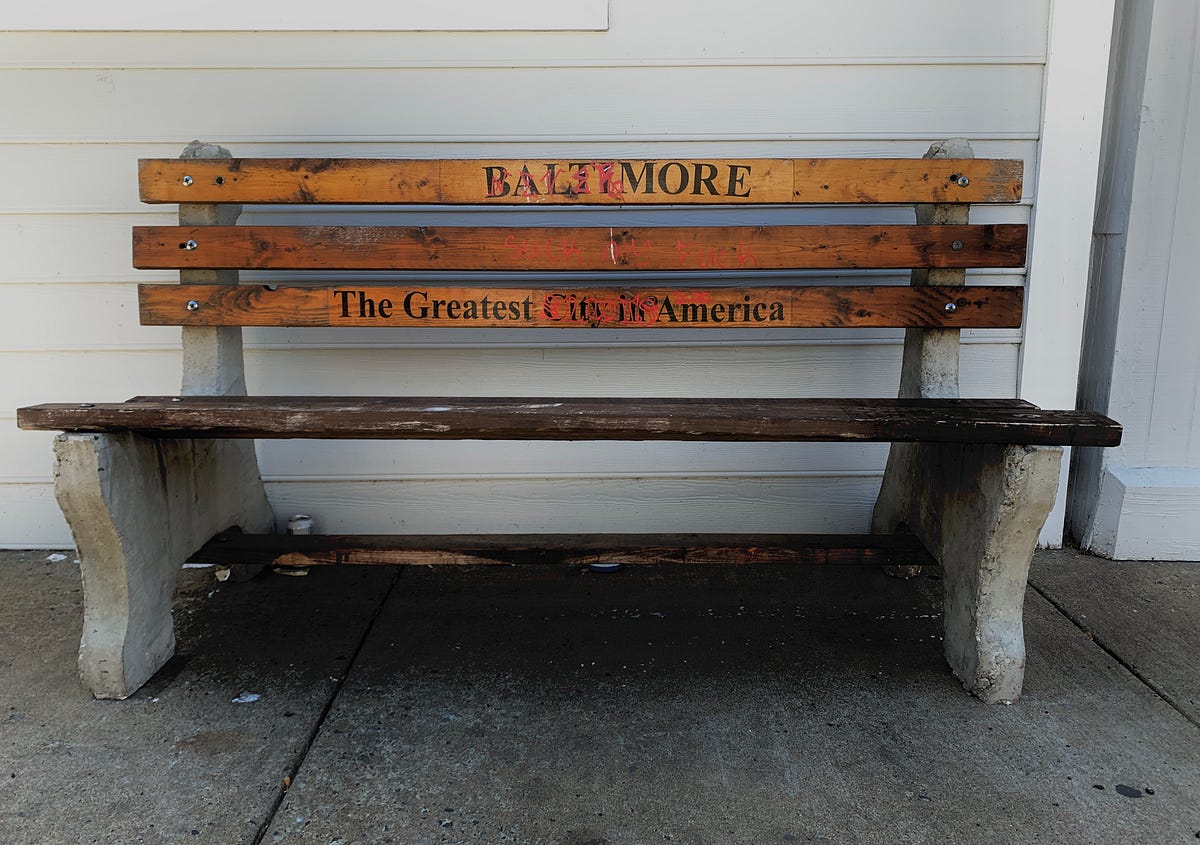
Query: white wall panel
point(865, 78)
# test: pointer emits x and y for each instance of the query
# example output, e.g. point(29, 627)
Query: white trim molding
point(280, 16)
point(1068, 167)
point(1146, 513)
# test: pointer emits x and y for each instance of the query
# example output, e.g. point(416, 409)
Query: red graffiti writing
point(618, 310)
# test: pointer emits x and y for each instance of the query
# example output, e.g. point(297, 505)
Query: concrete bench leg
point(978, 509)
point(137, 509)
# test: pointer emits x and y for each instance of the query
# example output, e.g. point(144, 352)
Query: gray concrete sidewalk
point(658, 704)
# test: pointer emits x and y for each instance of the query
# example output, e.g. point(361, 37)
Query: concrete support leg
point(978, 508)
point(137, 509)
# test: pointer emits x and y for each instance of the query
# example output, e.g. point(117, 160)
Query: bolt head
point(963, 181)
point(193, 305)
point(190, 245)
point(956, 246)
point(951, 307)
point(187, 181)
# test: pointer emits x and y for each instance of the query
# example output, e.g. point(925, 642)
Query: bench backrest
point(939, 247)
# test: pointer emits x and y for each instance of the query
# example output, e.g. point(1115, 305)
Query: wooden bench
point(146, 483)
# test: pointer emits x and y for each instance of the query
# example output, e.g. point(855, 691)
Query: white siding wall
point(1142, 362)
point(755, 78)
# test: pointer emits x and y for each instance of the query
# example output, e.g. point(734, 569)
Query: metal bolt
point(951, 307)
point(193, 305)
point(192, 245)
point(956, 246)
point(187, 181)
point(963, 181)
point(86, 405)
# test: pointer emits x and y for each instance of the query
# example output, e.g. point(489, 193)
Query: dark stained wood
point(440, 418)
point(739, 248)
point(576, 549)
point(559, 307)
point(545, 181)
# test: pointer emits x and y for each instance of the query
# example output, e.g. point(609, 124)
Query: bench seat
point(998, 421)
point(149, 483)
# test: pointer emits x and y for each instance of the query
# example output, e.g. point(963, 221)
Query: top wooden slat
point(548, 182)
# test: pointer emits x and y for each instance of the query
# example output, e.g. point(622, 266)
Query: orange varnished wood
point(574, 248)
point(592, 307)
point(546, 181)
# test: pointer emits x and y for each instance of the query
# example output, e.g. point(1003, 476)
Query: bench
point(146, 483)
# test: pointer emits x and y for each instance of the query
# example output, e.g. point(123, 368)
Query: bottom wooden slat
point(576, 549)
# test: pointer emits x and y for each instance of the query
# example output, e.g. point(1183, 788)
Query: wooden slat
point(737, 419)
point(234, 548)
point(576, 248)
point(558, 307)
point(595, 182)
point(832, 180)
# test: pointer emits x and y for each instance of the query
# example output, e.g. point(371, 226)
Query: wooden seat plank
point(568, 249)
point(812, 306)
point(612, 182)
point(734, 419)
point(232, 548)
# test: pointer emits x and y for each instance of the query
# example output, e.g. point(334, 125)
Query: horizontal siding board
point(774, 505)
point(976, 100)
point(100, 178)
point(505, 506)
point(31, 378)
point(763, 30)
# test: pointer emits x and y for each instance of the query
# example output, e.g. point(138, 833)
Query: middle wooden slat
point(728, 248)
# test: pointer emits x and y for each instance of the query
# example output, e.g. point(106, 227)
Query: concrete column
point(929, 369)
point(138, 508)
point(212, 355)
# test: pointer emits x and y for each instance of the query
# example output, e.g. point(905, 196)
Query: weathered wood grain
point(593, 182)
point(569, 549)
point(819, 306)
point(740, 248)
point(439, 418)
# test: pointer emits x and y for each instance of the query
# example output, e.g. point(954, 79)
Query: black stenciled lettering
point(694, 312)
point(452, 309)
point(385, 308)
point(668, 310)
point(683, 178)
point(776, 312)
point(526, 184)
point(704, 175)
point(496, 179)
point(633, 181)
point(760, 312)
point(551, 178)
point(718, 312)
point(737, 180)
point(422, 310)
point(366, 305)
point(579, 171)
point(345, 295)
